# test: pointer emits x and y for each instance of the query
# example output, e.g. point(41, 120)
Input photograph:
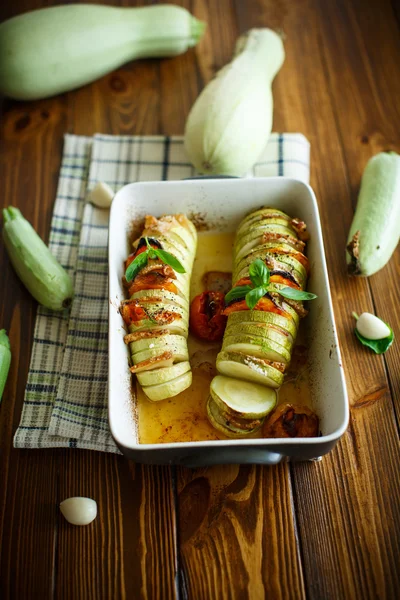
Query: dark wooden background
point(327, 530)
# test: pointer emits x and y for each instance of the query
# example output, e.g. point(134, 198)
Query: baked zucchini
point(157, 278)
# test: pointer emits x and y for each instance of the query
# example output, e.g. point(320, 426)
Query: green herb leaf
point(169, 259)
point(136, 265)
point(378, 346)
point(237, 293)
point(259, 273)
point(254, 296)
point(293, 294)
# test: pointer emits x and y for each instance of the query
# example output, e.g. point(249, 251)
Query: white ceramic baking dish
point(223, 203)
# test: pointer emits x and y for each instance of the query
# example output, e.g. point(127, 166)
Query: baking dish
point(222, 204)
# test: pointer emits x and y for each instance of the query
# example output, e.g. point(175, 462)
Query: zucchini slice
point(161, 341)
point(258, 347)
point(177, 326)
point(177, 345)
point(249, 368)
point(261, 319)
point(224, 424)
point(283, 261)
point(255, 238)
point(242, 399)
point(263, 330)
point(167, 296)
point(158, 376)
point(168, 389)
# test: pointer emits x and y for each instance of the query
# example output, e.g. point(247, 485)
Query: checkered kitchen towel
point(66, 394)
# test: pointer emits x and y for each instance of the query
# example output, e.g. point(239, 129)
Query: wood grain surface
point(322, 530)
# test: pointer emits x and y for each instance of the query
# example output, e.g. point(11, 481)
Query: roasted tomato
point(207, 320)
point(291, 420)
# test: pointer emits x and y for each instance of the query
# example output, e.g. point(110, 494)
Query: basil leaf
point(136, 265)
point(378, 346)
point(237, 293)
point(259, 273)
point(254, 296)
point(293, 294)
point(169, 259)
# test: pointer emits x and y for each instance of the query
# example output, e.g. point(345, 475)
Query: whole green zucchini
point(375, 230)
point(38, 269)
point(53, 50)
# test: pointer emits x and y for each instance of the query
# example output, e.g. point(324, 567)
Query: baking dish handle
point(223, 457)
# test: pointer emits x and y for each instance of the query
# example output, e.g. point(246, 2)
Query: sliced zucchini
point(260, 219)
point(176, 327)
point(255, 238)
point(177, 346)
point(158, 376)
point(169, 389)
point(289, 262)
point(278, 267)
point(261, 247)
point(150, 343)
point(258, 347)
point(224, 424)
point(241, 366)
point(265, 336)
point(264, 330)
point(169, 297)
point(260, 318)
point(242, 399)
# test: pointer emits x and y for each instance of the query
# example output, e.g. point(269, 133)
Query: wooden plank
point(130, 547)
point(344, 507)
point(29, 163)
point(237, 534)
point(233, 541)
point(367, 112)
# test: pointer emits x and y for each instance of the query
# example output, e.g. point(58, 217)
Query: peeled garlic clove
point(79, 510)
point(101, 195)
point(372, 328)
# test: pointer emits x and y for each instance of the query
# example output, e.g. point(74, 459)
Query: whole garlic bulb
point(79, 510)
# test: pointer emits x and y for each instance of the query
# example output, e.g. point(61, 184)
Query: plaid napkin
point(65, 401)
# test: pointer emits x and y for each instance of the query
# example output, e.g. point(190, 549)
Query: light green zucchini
point(53, 50)
point(375, 230)
point(169, 389)
point(35, 265)
point(156, 376)
point(247, 400)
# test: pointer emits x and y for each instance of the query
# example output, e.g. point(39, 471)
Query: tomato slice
point(264, 304)
point(207, 320)
point(152, 281)
point(132, 312)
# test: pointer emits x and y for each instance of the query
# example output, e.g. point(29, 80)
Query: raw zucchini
point(375, 230)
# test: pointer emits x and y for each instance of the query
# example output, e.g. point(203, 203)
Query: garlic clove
point(79, 510)
point(102, 195)
point(372, 328)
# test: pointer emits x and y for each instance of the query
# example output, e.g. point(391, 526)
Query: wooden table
point(325, 530)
